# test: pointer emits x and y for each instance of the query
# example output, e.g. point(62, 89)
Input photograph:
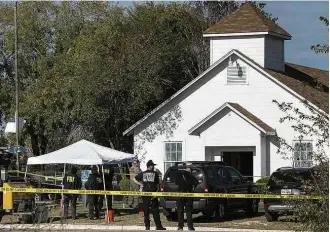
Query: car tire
point(252, 207)
point(219, 213)
point(270, 217)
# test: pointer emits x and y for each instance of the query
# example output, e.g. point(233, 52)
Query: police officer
point(186, 183)
point(133, 201)
point(71, 181)
point(94, 182)
point(108, 176)
point(149, 179)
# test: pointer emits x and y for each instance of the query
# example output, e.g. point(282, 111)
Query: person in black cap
point(149, 179)
point(186, 183)
point(94, 182)
point(71, 181)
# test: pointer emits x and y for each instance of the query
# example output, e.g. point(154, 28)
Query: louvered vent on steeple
point(236, 74)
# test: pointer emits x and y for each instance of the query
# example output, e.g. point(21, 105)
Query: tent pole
point(105, 195)
point(62, 195)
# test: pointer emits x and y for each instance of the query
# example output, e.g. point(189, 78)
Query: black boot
point(160, 228)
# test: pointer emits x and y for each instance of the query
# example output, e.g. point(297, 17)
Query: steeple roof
point(247, 19)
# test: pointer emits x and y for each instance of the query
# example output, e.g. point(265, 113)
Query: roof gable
point(247, 19)
point(240, 111)
point(295, 87)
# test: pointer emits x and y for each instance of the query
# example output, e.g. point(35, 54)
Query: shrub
point(314, 214)
point(124, 184)
point(262, 185)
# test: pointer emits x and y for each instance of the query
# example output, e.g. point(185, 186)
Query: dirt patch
point(131, 217)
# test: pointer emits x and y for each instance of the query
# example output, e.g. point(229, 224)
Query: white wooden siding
point(251, 46)
point(236, 75)
point(256, 97)
point(274, 53)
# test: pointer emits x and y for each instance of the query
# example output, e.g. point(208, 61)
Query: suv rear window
point(172, 174)
point(289, 177)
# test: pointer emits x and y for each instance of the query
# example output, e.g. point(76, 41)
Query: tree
point(311, 123)
point(325, 47)
point(90, 69)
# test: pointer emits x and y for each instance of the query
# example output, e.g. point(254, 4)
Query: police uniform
point(108, 176)
point(186, 183)
point(71, 181)
point(94, 182)
point(150, 180)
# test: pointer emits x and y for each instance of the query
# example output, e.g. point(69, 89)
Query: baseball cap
point(150, 163)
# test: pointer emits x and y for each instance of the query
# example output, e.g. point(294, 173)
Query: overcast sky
point(301, 20)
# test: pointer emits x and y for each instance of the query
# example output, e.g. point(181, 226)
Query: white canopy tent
point(83, 153)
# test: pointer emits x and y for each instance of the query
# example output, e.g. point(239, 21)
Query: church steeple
point(252, 33)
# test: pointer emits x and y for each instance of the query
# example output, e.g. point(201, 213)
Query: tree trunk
point(43, 144)
point(34, 140)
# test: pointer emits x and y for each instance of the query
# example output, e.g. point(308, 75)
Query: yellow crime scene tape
point(157, 194)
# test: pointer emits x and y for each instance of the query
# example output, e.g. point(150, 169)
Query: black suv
point(283, 181)
point(213, 177)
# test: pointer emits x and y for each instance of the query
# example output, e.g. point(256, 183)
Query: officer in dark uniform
point(186, 183)
point(108, 176)
point(94, 182)
point(71, 181)
point(149, 179)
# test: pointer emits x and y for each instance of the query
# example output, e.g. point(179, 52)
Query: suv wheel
point(217, 214)
point(252, 207)
point(222, 210)
point(271, 216)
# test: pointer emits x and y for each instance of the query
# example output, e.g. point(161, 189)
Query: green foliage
point(310, 123)
point(89, 70)
point(315, 214)
point(324, 48)
point(3, 140)
point(262, 184)
point(124, 184)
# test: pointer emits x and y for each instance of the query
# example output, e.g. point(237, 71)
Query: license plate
point(285, 191)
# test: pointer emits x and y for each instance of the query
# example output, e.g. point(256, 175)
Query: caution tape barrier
point(157, 194)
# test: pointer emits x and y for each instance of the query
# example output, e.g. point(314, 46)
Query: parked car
point(213, 177)
point(285, 180)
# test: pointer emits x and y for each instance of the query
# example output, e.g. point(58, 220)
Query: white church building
point(227, 112)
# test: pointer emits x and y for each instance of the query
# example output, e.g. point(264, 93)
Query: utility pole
point(16, 89)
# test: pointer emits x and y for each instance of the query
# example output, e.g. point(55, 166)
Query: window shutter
point(236, 75)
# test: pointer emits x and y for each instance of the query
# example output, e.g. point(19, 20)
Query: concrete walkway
point(61, 227)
